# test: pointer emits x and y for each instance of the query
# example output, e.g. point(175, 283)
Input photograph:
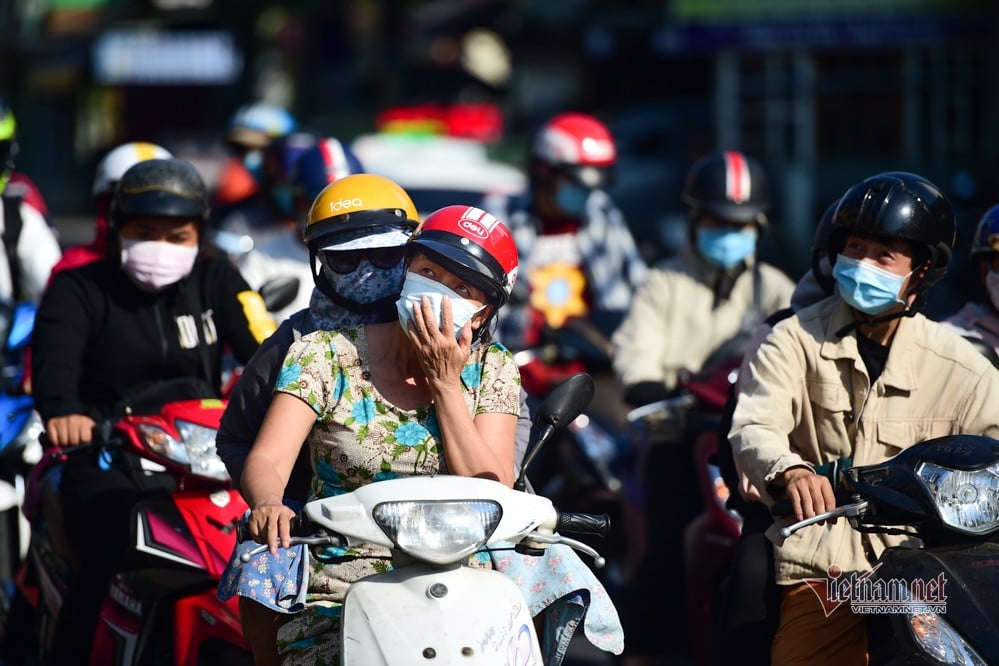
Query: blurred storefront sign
point(148, 57)
point(700, 25)
point(68, 17)
point(178, 5)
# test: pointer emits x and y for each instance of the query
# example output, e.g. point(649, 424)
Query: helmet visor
point(590, 177)
point(368, 239)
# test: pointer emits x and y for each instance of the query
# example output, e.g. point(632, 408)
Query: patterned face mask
point(367, 283)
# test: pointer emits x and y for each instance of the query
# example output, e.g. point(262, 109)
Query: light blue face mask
point(572, 198)
point(866, 287)
point(283, 199)
point(416, 287)
point(726, 247)
point(253, 160)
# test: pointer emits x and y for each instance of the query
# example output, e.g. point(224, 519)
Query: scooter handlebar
point(300, 526)
point(583, 523)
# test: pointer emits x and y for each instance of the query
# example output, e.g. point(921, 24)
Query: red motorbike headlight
point(195, 448)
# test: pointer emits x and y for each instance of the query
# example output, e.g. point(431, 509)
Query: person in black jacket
point(147, 325)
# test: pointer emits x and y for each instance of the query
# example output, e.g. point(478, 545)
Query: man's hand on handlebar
point(810, 493)
point(70, 430)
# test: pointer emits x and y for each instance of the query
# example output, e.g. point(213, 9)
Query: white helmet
point(121, 159)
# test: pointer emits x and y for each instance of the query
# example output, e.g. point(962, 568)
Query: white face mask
point(992, 286)
point(155, 265)
point(416, 287)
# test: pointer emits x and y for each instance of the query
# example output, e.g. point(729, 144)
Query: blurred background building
point(824, 92)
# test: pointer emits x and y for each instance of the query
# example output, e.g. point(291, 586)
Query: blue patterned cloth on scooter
point(558, 583)
point(561, 585)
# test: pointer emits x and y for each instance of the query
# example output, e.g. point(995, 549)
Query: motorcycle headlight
point(967, 501)
point(438, 531)
point(937, 638)
point(196, 448)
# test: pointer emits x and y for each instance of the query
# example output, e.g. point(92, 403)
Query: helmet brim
point(325, 232)
point(731, 212)
point(590, 177)
point(245, 138)
point(368, 239)
point(160, 203)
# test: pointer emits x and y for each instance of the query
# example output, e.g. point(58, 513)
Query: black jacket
point(98, 337)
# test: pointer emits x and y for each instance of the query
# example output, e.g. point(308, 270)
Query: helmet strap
point(898, 314)
point(827, 282)
point(486, 324)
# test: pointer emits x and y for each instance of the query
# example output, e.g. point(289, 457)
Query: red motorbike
point(161, 607)
point(693, 417)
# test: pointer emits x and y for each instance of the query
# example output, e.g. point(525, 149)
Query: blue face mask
point(725, 247)
point(866, 287)
point(572, 198)
point(416, 287)
point(253, 160)
point(283, 199)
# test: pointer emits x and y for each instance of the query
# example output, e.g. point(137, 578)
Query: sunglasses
point(346, 261)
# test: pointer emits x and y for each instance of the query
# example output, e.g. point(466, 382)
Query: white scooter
point(431, 606)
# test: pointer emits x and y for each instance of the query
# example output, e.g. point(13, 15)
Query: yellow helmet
point(356, 202)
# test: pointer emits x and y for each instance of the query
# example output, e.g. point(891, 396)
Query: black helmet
point(729, 185)
point(170, 187)
point(985, 243)
point(820, 247)
point(897, 204)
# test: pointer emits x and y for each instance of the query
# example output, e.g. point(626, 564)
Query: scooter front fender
point(10, 498)
point(420, 614)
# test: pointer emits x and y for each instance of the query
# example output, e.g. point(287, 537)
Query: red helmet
point(578, 144)
point(473, 245)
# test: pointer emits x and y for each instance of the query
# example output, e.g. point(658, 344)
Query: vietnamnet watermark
point(868, 595)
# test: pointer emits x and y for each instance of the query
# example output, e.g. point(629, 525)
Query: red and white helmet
point(578, 144)
point(473, 245)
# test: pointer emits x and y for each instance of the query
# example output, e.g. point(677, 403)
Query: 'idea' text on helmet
point(344, 204)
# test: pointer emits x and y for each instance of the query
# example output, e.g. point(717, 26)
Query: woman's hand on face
point(271, 524)
point(441, 355)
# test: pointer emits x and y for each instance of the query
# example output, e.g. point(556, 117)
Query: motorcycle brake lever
point(845, 511)
point(537, 537)
point(295, 541)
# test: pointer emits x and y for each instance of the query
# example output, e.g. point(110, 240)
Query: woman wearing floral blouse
point(432, 396)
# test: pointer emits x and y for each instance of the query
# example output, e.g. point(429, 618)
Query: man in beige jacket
point(687, 309)
point(853, 380)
